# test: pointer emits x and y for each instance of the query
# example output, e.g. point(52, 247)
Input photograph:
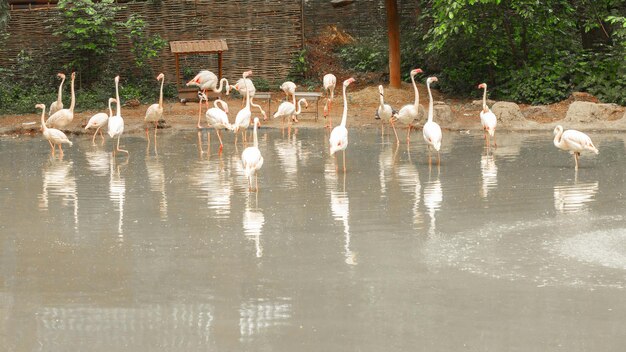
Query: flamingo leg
point(394, 132)
point(330, 118)
point(495, 144)
point(52, 147)
point(217, 132)
point(344, 161)
point(576, 154)
point(408, 134)
point(155, 138)
point(118, 146)
point(61, 154)
point(93, 139)
point(438, 159)
point(256, 181)
point(200, 143)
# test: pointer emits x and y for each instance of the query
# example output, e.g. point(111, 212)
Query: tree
point(393, 33)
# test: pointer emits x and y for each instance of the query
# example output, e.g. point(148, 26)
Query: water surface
point(509, 250)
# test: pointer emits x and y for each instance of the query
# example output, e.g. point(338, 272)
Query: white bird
point(242, 120)
point(339, 135)
point(244, 85)
point(410, 112)
point(573, 141)
point(53, 135)
point(431, 130)
point(63, 117)
point(116, 123)
point(58, 104)
point(98, 121)
point(155, 111)
point(330, 81)
point(288, 110)
point(251, 158)
point(488, 118)
point(218, 118)
point(289, 88)
point(207, 80)
point(385, 113)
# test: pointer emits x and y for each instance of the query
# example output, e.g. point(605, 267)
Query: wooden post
point(393, 32)
point(177, 72)
point(219, 65)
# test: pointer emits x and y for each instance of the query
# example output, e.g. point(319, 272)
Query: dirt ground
point(361, 109)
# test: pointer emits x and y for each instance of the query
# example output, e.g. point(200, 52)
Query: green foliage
point(144, 47)
point(261, 84)
point(88, 34)
point(299, 66)
point(367, 54)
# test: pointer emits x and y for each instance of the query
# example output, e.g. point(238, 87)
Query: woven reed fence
point(263, 35)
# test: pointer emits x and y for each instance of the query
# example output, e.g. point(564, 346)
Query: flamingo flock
point(252, 160)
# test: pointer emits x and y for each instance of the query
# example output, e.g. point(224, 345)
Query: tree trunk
point(393, 31)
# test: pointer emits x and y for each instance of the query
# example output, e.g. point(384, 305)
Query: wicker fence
point(263, 35)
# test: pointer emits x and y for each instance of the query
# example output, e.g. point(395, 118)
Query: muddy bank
point(580, 111)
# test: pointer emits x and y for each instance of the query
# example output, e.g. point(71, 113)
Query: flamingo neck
point(73, 99)
point(430, 103)
point(417, 93)
point(557, 139)
point(161, 94)
point(381, 99)
point(60, 91)
point(485, 99)
point(247, 94)
point(43, 122)
point(255, 138)
point(299, 107)
point(344, 118)
point(219, 89)
point(110, 110)
point(117, 97)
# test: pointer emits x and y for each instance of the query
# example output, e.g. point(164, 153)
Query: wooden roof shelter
point(193, 47)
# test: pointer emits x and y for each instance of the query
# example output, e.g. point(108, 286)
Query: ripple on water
point(533, 251)
point(605, 248)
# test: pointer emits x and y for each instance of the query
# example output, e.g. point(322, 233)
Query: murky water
point(512, 251)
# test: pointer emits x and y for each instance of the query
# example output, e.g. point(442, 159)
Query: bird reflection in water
point(409, 182)
point(433, 197)
point(489, 172)
point(253, 220)
point(59, 180)
point(574, 197)
point(156, 177)
point(213, 178)
point(289, 151)
point(340, 207)
point(117, 193)
point(98, 161)
point(386, 162)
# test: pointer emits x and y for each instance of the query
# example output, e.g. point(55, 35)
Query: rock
point(583, 111)
point(479, 103)
point(583, 96)
point(507, 112)
point(442, 113)
point(132, 103)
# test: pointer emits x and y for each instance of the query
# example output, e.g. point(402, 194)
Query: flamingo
point(116, 123)
point(385, 113)
point(98, 120)
point(58, 105)
point(155, 111)
point(242, 120)
point(431, 130)
point(251, 158)
point(288, 109)
point(289, 88)
point(53, 135)
point(218, 118)
point(488, 118)
point(63, 117)
point(330, 81)
point(573, 141)
point(410, 112)
point(245, 85)
point(206, 80)
point(339, 135)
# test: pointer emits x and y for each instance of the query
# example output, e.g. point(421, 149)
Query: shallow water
point(512, 250)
